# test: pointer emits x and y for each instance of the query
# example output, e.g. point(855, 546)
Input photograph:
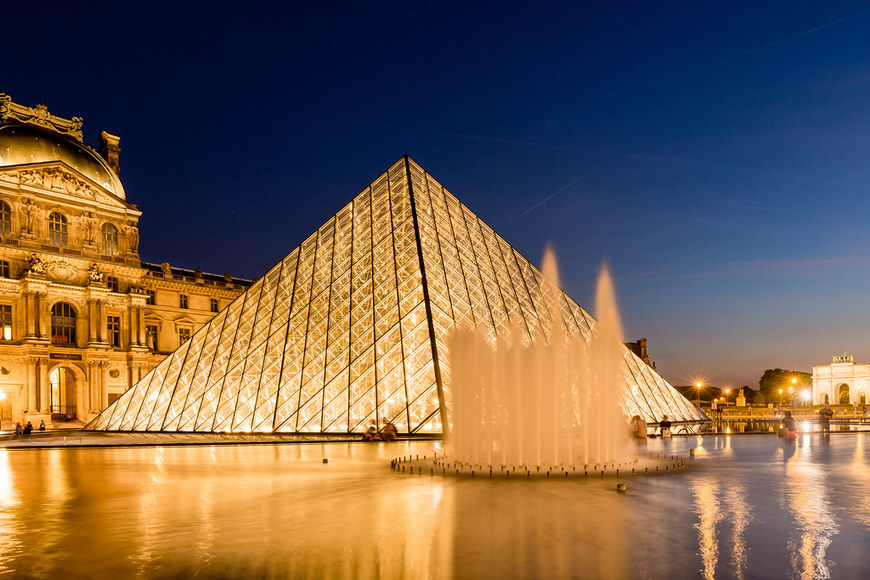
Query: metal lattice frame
point(351, 327)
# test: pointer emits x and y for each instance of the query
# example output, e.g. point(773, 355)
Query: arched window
point(110, 239)
point(63, 324)
point(57, 229)
point(5, 219)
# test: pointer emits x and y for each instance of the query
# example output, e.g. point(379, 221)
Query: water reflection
point(716, 506)
point(746, 507)
point(805, 497)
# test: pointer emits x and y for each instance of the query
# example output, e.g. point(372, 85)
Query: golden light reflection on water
point(8, 500)
point(859, 476)
point(805, 497)
point(746, 507)
point(710, 514)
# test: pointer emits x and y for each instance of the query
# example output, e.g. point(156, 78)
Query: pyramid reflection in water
point(351, 327)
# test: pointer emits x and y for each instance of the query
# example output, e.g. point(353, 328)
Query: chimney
point(109, 150)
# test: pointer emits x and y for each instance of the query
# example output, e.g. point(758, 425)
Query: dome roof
point(20, 145)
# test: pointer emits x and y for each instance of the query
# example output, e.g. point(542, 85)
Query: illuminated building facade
point(842, 382)
point(351, 327)
point(81, 317)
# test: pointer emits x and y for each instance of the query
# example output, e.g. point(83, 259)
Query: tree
point(775, 379)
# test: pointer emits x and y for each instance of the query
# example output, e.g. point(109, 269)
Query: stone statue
point(94, 274)
point(35, 265)
point(28, 211)
point(132, 233)
point(89, 226)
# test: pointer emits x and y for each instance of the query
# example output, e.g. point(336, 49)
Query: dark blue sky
point(715, 155)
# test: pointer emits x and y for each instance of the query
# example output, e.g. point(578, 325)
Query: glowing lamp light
point(2, 396)
point(806, 395)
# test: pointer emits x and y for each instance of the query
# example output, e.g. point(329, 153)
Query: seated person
point(388, 433)
point(638, 427)
point(371, 433)
point(665, 426)
point(789, 426)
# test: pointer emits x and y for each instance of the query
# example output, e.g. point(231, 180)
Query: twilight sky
point(715, 154)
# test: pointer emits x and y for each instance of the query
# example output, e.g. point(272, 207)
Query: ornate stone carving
point(94, 274)
point(61, 269)
point(132, 233)
point(34, 265)
point(89, 228)
point(40, 116)
point(28, 218)
point(60, 180)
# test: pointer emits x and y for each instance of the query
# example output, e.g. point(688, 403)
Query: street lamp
point(698, 387)
point(780, 397)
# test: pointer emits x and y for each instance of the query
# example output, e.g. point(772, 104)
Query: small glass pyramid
point(351, 327)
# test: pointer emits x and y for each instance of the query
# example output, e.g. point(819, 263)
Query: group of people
point(387, 433)
point(27, 429)
point(640, 430)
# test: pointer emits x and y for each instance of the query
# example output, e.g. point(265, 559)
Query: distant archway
point(63, 394)
point(844, 394)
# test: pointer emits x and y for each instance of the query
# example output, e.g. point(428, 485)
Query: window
point(150, 299)
point(113, 325)
point(57, 229)
point(63, 324)
point(151, 331)
point(5, 322)
point(214, 305)
point(112, 281)
point(182, 300)
point(183, 335)
point(110, 239)
point(5, 219)
point(4, 269)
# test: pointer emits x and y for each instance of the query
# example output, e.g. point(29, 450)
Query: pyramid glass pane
point(352, 327)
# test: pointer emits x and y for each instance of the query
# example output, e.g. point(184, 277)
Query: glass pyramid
point(351, 327)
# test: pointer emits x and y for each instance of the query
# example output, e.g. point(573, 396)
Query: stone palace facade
point(82, 319)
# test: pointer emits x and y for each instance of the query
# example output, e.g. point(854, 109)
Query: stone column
point(28, 314)
point(93, 379)
point(37, 314)
point(104, 329)
point(104, 394)
point(31, 387)
point(92, 320)
point(140, 326)
point(44, 387)
point(132, 319)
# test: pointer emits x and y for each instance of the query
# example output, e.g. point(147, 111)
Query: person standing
point(825, 415)
point(638, 427)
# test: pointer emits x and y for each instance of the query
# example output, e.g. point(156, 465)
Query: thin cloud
point(549, 197)
point(806, 32)
point(764, 266)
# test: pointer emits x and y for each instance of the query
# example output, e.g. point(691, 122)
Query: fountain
point(547, 408)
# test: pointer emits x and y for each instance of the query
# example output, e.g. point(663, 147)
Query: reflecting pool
point(746, 507)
